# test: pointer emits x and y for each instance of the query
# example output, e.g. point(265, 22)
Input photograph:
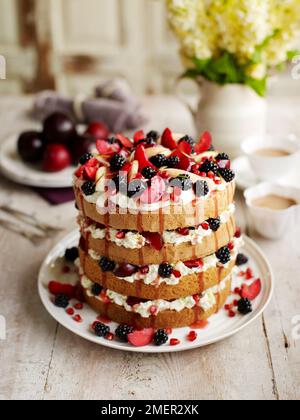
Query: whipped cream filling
point(208, 299)
point(153, 278)
point(135, 240)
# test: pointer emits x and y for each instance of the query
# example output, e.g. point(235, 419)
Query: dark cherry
point(98, 130)
point(59, 128)
point(31, 147)
point(125, 270)
point(79, 146)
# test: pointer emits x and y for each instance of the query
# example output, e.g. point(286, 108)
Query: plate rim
point(150, 350)
point(29, 182)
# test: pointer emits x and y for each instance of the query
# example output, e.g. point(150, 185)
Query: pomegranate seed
point(228, 307)
point(203, 174)
point(231, 314)
point(218, 181)
point(249, 274)
point(174, 342)
point(196, 298)
point(110, 337)
point(70, 311)
point(183, 231)
point(78, 306)
point(192, 336)
point(176, 274)
point(144, 270)
point(241, 274)
point(237, 291)
point(120, 235)
point(153, 310)
point(205, 226)
point(77, 318)
point(164, 175)
point(231, 246)
point(236, 303)
point(238, 233)
point(94, 325)
point(169, 331)
point(211, 175)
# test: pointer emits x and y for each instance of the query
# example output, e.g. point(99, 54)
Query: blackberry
point(85, 158)
point(172, 162)
point(187, 139)
point(227, 174)
point(183, 182)
point(71, 254)
point(88, 188)
point(159, 161)
point(149, 172)
point(209, 166)
point(101, 330)
point(224, 255)
point(160, 338)
point(107, 265)
point(214, 224)
point(245, 306)
point(241, 260)
point(222, 156)
point(165, 271)
point(122, 332)
point(154, 135)
point(96, 289)
point(61, 301)
point(117, 162)
point(201, 188)
point(136, 188)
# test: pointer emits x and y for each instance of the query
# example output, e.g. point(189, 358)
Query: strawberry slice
point(141, 157)
point(251, 292)
point(194, 263)
point(155, 240)
point(154, 193)
point(167, 140)
point(124, 141)
point(89, 173)
point(204, 144)
point(139, 135)
point(141, 338)
point(56, 288)
point(106, 149)
point(185, 147)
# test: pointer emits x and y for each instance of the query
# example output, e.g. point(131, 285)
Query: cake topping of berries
point(88, 188)
point(107, 265)
point(165, 270)
point(117, 162)
point(71, 254)
point(96, 289)
point(101, 330)
point(224, 255)
point(209, 166)
point(241, 260)
point(148, 172)
point(227, 174)
point(160, 337)
point(245, 306)
point(214, 224)
point(201, 189)
point(159, 161)
point(85, 158)
point(61, 300)
point(183, 182)
point(123, 331)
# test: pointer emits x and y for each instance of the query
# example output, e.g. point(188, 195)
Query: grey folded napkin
point(113, 103)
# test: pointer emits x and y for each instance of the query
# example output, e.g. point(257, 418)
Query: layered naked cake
point(158, 235)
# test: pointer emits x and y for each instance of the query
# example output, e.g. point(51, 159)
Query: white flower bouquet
point(235, 41)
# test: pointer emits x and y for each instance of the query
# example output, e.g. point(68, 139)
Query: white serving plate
point(16, 170)
point(220, 326)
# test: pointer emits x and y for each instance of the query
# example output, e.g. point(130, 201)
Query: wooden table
point(42, 360)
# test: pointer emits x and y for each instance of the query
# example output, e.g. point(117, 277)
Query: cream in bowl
point(274, 209)
point(272, 158)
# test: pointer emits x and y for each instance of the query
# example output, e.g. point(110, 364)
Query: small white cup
point(268, 168)
point(273, 224)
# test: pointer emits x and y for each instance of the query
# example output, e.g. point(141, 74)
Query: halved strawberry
point(141, 157)
point(204, 144)
point(138, 136)
point(167, 140)
point(154, 193)
point(194, 263)
point(56, 288)
point(124, 141)
point(185, 161)
point(185, 147)
point(141, 338)
point(252, 291)
point(106, 149)
point(155, 240)
point(89, 173)
point(92, 162)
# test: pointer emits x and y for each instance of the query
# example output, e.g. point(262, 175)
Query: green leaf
point(260, 86)
point(292, 54)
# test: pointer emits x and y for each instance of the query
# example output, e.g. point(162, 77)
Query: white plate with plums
point(57, 282)
point(47, 158)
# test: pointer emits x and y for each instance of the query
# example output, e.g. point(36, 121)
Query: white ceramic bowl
point(272, 169)
point(273, 224)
